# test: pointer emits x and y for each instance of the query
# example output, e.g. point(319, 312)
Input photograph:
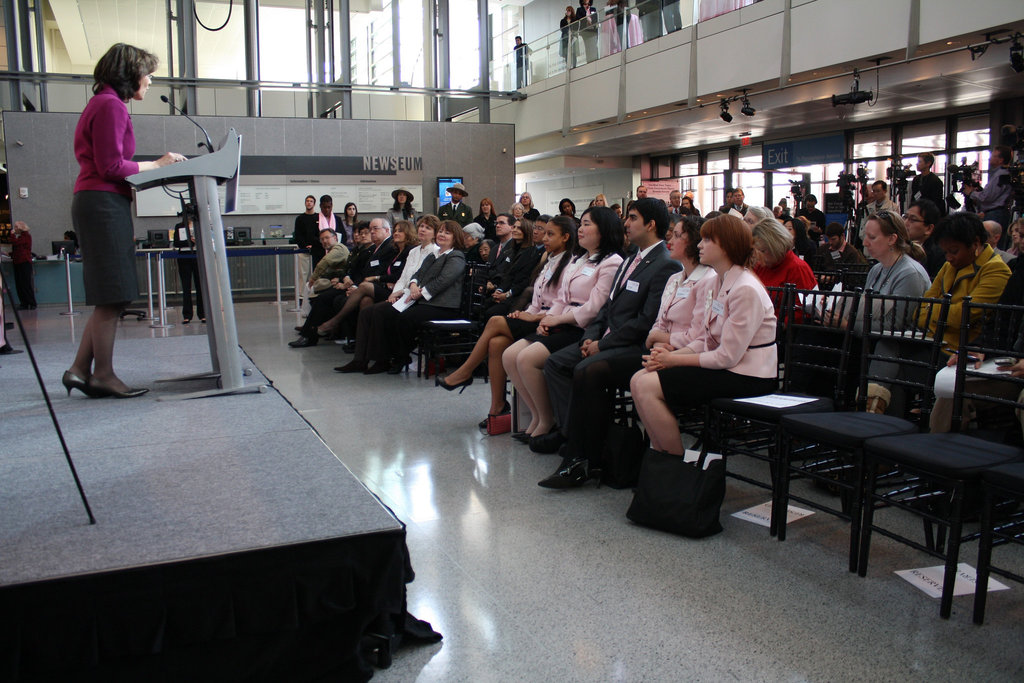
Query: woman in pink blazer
point(730, 349)
point(584, 290)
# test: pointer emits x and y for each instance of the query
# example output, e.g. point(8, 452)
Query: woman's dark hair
point(344, 213)
point(691, 228)
point(568, 227)
point(432, 221)
point(965, 228)
point(609, 227)
point(929, 212)
point(651, 209)
point(801, 242)
point(458, 236)
point(406, 209)
point(566, 200)
point(122, 68)
point(525, 227)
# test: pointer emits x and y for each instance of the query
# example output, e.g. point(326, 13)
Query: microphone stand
point(208, 144)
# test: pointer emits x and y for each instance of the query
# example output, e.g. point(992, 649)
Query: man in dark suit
point(582, 403)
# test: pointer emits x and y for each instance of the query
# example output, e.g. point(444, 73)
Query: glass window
point(718, 161)
point(370, 33)
point(750, 158)
point(464, 44)
point(411, 55)
point(924, 137)
point(688, 164)
point(662, 167)
point(876, 142)
point(282, 43)
point(972, 131)
point(221, 54)
point(753, 187)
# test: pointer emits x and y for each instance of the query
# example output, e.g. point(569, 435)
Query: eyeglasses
point(912, 219)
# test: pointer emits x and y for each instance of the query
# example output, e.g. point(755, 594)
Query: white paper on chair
point(929, 580)
point(403, 303)
point(762, 514)
point(777, 400)
point(690, 455)
point(449, 322)
point(945, 379)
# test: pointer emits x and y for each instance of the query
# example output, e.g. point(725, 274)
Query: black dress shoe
point(547, 443)
point(349, 347)
point(570, 475)
point(522, 437)
point(396, 368)
point(353, 366)
point(505, 410)
point(302, 342)
point(95, 389)
point(377, 368)
point(7, 350)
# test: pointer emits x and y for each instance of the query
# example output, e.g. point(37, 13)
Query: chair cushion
point(847, 429)
point(1009, 476)
point(756, 411)
point(951, 455)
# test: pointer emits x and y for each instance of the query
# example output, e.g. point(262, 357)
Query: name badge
point(632, 285)
point(589, 270)
point(183, 234)
point(508, 259)
point(684, 292)
point(397, 263)
point(374, 263)
point(717, 307)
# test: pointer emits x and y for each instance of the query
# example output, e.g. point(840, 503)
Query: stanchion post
point(298, 285)
point(277, 277)
point(162, 300)
point(149, 286)
point(67, 275)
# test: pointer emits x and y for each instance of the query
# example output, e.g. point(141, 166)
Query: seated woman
point(732, 352)
point(803, 247)
point(501, 331)
point(374, 288)
point(435, 292)
point(584, 290)
point(516, 279)
point(775, 262)
point(370, 330)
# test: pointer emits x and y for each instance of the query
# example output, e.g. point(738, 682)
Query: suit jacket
point(630, 311)
point(499, 266)
point(441, 276)
point(373, 262)
point(463, 215)
point(517, 277)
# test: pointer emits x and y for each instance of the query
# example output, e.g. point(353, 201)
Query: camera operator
point(880, 195)
point(927, 185)
point(992, 202)
point(813, 214)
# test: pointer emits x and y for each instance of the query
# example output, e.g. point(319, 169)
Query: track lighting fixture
point(747, 110)
point(725, 115)
point(1016, 55)
point(856, 95)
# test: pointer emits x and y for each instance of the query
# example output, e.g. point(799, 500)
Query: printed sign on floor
point(762, 514)
point(929, 580)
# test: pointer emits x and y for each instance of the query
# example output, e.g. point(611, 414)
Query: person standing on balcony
point(586, 14)
point(565, 26)
point(522, 53)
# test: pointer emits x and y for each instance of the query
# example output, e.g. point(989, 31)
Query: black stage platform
point(230, 542)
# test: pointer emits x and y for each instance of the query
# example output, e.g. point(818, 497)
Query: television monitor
point(442, 189)
point(243, 236)
point(158, 239)
point(66, 245)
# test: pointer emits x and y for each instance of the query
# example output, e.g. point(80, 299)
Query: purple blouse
point(105, 145)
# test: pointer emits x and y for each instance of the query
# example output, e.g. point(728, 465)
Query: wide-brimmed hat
point(394, 194)
point(458, 187)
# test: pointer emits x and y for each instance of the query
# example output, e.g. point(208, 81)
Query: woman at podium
point(101, 213)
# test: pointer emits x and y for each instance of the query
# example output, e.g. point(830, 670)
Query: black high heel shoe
point(505, 409)
point(461, 386)
point(570, 475)
point(72, 381)
point(100, 391)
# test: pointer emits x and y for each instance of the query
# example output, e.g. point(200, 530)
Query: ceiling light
point(725, 115)
point(855, 96)
point(747, 110)
point(1016, 55)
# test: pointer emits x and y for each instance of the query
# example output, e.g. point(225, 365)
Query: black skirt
point(559, 337)
point(103, 221)
point(521, 329)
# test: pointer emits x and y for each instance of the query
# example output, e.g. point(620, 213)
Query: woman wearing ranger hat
point(457, 210)
point(402, 210)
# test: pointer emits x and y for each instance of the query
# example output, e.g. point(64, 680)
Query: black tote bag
point(680, 497)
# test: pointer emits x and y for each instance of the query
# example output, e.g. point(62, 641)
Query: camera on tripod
point(899, 174)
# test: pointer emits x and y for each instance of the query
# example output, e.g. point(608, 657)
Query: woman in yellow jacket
point(972, 269)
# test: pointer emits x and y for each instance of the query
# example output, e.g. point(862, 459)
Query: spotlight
point(725, 115)
point(747, 110)
point(1016, 55)
point(855, 96)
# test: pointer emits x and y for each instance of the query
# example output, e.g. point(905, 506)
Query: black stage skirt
point(103, 221)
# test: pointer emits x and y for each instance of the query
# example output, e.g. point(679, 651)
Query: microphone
point(208, 145)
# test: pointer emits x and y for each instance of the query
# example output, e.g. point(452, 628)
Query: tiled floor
point(534, 585)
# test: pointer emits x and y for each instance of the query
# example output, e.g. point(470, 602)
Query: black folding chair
point(743, 427)
point(944, 470)
point(449, 339)
point(827, 448)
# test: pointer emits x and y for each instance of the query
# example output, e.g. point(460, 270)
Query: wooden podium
point(203, 174)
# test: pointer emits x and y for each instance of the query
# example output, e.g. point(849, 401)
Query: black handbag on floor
point(677, 496)
point(623, 452)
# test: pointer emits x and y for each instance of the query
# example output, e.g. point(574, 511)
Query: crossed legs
point(492, 343)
